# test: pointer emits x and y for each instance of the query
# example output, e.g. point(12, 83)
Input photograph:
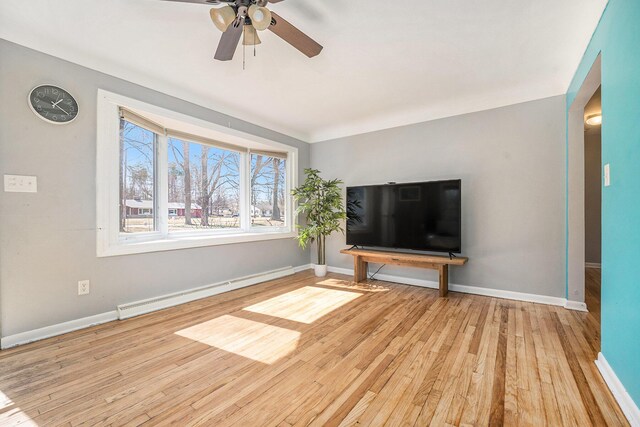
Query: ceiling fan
point(238, 17)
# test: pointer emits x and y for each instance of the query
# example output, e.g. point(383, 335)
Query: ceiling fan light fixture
point(594, 119)
point(250, 36)
point(222, 17)
point(260, 17)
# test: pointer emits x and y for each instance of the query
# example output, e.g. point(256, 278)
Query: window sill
point(187, 242)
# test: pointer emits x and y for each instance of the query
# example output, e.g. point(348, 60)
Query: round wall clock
point(53, 104)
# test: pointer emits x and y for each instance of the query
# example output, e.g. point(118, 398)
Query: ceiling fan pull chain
point(244, 47)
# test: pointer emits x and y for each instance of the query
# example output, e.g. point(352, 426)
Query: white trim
point(592, 265)
point(245, 191)
point(161, 194)
point(304, 267)
point(576, 305)
point(628, 406)
point(57, 329)
point(219, 132)
point(85, 322)
point(191, 242)
point(575, 190)
point(475, 290)
point(149, 305)
point(110, 242)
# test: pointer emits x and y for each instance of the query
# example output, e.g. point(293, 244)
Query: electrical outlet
point(84, 287)
point(607, 175)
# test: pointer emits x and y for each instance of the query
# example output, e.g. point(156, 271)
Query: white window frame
point(287, 190)
point(111, 242)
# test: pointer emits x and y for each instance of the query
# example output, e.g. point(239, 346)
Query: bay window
point(169, 181)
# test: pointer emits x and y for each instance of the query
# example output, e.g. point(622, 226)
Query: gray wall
point(592, 196)
point(48, 239)
point(512, 164)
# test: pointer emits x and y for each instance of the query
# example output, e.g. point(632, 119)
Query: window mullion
point(245, 191)
point(162, 184)
point(112, 164)
point(288, 199)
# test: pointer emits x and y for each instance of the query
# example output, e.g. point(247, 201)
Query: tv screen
point(420, 216)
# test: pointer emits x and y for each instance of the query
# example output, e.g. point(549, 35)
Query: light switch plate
point(607, 175)
point(20, 184)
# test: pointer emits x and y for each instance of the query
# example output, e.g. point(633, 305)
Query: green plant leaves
point(321, 201)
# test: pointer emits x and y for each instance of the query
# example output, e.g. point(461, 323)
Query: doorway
point(593, 201)
point(584, 196)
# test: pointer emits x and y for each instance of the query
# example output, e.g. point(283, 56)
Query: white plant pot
point(320, 270)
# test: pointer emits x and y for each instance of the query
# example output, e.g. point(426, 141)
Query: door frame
point(575, 233)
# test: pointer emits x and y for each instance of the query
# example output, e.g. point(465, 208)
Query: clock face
point(53, 104)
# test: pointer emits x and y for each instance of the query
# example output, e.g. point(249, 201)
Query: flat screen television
point(423, 216)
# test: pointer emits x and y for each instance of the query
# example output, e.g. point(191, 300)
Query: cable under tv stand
point(361, 257)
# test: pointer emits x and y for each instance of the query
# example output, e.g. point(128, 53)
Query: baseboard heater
point(137, 308)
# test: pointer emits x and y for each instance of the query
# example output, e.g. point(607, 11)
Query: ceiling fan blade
point(294, 36)
point(229, 42)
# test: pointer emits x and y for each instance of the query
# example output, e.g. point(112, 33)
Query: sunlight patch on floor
point(247, 338)
point(5, 401)
point(305, 305)
point(11, 415)
point(358, 287)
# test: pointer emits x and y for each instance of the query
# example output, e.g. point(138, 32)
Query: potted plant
point(321, 201)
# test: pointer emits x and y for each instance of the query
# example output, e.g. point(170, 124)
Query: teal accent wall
point(617, 37)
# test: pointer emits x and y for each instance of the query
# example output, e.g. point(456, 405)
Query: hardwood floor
point(301, 350)
point(592, 292)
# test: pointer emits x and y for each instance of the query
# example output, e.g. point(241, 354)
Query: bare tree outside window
point(137, 166)
point(207, 179)
point(180, 185)
point(268, 186)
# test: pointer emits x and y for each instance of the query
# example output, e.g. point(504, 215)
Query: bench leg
point(359, 269)
point(443, 271)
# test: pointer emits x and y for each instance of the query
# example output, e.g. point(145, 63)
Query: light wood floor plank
point(327, 352)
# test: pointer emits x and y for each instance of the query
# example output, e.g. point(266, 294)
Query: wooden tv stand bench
point(361, 257)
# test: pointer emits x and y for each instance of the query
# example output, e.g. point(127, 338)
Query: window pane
point(137, 164)
point(267, 191)
point(207, 179)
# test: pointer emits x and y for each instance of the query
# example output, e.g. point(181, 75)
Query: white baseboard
point(628, 406)
point(497, 293)
point(304, 267)
point(592, 265)
point(197, 293)
point(153, 304)
point(576, 305)
point(57, 329)
point(149, 305)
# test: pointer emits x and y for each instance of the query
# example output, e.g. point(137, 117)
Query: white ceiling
point(384, 64)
